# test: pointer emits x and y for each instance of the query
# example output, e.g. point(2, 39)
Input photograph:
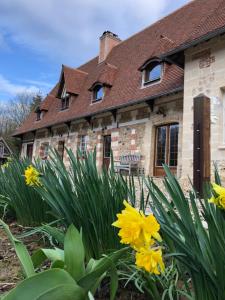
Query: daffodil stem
point(151, 287)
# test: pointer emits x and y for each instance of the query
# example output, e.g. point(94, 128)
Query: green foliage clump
point(23, 200)
point(89, 199)
point(194, 230)
point(69, 276)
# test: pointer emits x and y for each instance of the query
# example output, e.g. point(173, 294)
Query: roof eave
point(195, 42)
point(134, 102)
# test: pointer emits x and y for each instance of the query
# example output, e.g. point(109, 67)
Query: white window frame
point(63, 94)
point(145, 83)
point(83, 144)
point(94, 99)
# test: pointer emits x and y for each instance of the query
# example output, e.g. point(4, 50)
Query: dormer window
point(151, 72)
point(38, 114)
point(98, 93)
point(65, 99)
point(65, 102)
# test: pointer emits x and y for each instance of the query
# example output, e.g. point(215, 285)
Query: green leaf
point(88, 281)
point(74, 253)
point(113, 282)
point(54, 284)
point(52, 254)
point(21, 252)
point(55, 233)
point(58, 264)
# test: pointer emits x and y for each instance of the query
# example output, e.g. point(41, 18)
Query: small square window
point(98, 93)
point(44, 150)
point(83, 144)
point(38, 115)
point(61, 148)
point(65, 102)
point(152, 72)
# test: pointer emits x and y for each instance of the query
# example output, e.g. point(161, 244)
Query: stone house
point(5, 151)
point(137, 95)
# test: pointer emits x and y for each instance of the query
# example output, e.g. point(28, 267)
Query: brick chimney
point(107, 41)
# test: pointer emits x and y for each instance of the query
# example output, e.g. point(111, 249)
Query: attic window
point(65, 99)
point(65, 102)
point(98, 93)
point(38, 114)
point(152, 72)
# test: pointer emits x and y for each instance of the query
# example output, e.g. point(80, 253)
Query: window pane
point(107, 146)
point(61, 147)
point(155, 73)
point(161, 145)
point(83, 144)
point(98, 92)
point(174, 129)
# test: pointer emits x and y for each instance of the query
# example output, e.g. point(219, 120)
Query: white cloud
point(68, 30)
point(39, 83)
point(7, 87)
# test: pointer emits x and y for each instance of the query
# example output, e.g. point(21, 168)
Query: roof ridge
point(90, 60)
point(75, 69)
point(157, 21)
point(147, 27)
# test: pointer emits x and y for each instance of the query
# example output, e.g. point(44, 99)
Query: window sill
point(63, 109)
point(221, 147)
point(96, 101)
point(151, 83)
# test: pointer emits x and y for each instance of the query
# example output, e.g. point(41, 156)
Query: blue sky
point(38, 36)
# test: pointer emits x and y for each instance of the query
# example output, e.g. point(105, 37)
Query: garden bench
point(128, 163)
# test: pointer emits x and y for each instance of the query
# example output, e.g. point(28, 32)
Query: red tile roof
point(74, 79)
point(105, 75)
point(120, 70)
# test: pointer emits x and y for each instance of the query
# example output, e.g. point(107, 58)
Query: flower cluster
point(141, 233)
point(32, 176)
point(219, 197)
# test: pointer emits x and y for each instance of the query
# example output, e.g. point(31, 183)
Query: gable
point(5, 151)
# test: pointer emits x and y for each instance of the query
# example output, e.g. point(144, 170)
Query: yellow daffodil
point(32, 176)
point(219, 199)
point(135, 228)
point(150, 260)
point(141, 233)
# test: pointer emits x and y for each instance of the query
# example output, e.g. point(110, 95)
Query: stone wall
point(205, 74)
point(133, 132)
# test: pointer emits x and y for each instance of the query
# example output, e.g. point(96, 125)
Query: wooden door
point(201, 147)
point(166, 148)
point(30, 151)
point(106, 150)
